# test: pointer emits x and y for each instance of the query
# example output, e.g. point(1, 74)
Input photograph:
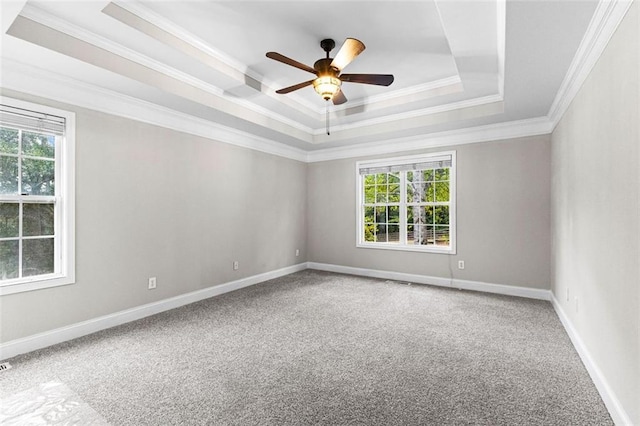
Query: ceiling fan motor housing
point(324, 68)
point(328, 71)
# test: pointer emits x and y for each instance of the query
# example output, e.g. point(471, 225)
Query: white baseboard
point(62, 334)
point(59, 335)
point(617, 412)
point(528, 292)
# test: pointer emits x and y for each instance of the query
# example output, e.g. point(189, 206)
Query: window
point(36, 196)
point(407, 203)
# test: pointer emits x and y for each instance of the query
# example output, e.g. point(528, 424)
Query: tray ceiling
point(457, 64)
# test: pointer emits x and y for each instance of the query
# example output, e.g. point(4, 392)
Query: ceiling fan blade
point(377, 79)
point(347, 53)
point(281, 58)
point(339, 98)
point(294, 87)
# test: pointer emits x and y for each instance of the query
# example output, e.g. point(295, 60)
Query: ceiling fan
point(328, 70)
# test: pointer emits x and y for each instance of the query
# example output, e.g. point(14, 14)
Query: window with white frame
point(36, 196)
point(408, 203)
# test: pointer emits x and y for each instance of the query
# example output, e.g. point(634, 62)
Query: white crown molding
point(235, 69)
point(605, 21)
point(611, 401)
point(414, 93)
point(486, 133)
point(44, 83)
point(203, 52)
point(43, 17)
point(467, 103)
point(508, 290)
point(42, 340)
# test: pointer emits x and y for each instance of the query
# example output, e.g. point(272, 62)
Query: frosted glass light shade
point(327, 86)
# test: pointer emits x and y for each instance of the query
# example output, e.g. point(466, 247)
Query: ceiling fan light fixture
point(327, 86)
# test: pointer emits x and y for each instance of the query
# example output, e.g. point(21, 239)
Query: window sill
point(35, 283)
point(398, 247)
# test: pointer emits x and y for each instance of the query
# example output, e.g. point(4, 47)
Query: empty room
point(264, 212)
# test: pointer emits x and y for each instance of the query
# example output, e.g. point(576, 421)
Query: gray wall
point(155, 202)
point(595, 213)
point(503, 217)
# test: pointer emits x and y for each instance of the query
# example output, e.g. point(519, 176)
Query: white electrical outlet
point(460, 264)
point(236, 265)
point(152, 283)
point(297, 252)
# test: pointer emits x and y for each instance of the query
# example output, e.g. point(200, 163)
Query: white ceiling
point(457, 64)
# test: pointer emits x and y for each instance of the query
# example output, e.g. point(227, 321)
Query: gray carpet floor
point(323, 348)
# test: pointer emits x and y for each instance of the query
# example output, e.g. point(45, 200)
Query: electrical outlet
point(236, 265)
point(152, 283)
point(460, 264)
point(297, 252)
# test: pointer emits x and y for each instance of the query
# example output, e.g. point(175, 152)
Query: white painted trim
point(486, 133)
point(611, 401)
point(237, 70)
point(233, 70)
point(207, 54)
point(62, 334)
point(604, 23)
point(530, 293)
point(65, 229)
point(44, 18)
point(413, 93)
point(402, 245)
point(43, 83)
point(416, 113)
point(606, 19)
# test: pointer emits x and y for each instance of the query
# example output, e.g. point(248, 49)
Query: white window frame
point(64, 210)
point(387, 162)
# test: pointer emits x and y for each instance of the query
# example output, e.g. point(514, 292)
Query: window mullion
point(20, 203)
point(403, 208)
point(20, 209)
point(45, 236)
point(57, 207)
point(428, 175)
point(20, 131)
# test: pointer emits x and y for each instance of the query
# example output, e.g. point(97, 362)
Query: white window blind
point(31, 120)
point(37, 248)
point(435, 163)
point(407, 203)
